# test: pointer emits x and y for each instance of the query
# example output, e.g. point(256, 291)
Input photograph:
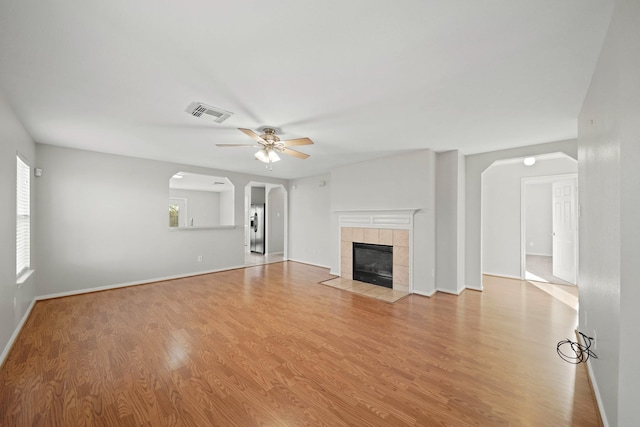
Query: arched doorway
point(504, 244)
point(265, 210)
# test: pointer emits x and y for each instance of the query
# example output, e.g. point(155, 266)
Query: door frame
point(247, 205)
point(523, 220)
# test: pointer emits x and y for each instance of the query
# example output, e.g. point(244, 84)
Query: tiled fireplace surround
point(371, 229)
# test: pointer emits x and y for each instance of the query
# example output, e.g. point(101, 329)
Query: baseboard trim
point(532, 253)
point(315, 265)
point(506, 276)
point(446, 291)
point(135, 283)
point(424, 294)
point(594, 387)
point(16, 332)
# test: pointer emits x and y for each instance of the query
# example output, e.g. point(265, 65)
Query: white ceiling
point(361, 78)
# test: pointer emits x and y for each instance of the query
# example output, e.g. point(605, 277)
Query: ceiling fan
point(271, 145)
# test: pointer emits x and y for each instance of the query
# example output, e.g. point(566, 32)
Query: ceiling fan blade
point(293, 153)
point(297, 141)
point(253, 135)
point(237, 145)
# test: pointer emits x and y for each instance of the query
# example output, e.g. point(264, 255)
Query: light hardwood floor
point(268, 345)
point(539, 268)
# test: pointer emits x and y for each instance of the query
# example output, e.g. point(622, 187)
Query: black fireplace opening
point(373, 264)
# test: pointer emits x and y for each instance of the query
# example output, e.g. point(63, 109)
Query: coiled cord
point(581, 352)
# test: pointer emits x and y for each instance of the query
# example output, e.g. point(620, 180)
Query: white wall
point(404, 181)
point(450, 222)
point(258, 195)
point(474, 166)
point(628, 15)
point(102, 220)
point(539, 224)
point(14, 300)
point(275, 220)
point(461, 271)
point(501, 212)
point(227, 207)
point(309, 220)
point(609, 183)
point(202, 206)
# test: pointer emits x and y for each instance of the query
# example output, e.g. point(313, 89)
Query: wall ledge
point(22, 278)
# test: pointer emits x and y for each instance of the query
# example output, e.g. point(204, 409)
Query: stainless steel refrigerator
point(256, 228)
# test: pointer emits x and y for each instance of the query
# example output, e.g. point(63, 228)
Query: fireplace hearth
point(373, 264)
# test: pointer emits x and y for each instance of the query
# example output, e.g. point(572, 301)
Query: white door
point(565, 229)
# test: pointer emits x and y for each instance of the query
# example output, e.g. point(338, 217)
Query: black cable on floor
point(581, 352)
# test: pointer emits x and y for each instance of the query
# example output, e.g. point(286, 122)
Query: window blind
point(23, 216)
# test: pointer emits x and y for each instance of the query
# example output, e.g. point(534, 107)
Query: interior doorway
point(549, 229)
point(266, 223)
point(503, 225)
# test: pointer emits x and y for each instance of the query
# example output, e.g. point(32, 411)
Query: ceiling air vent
point(199, 109)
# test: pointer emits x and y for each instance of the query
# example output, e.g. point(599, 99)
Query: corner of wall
point(15, 301)
point(450, 222)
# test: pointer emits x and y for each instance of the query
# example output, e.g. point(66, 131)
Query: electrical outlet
point(595, 340)
point(199, 258)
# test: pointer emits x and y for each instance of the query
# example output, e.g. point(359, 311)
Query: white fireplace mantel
point(393, 227)
point(377, 218)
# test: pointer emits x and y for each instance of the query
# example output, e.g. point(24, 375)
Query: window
point(23, 216)
point(174, 214)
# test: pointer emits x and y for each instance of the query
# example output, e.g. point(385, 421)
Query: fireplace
point(390, 228)
point(373, 264)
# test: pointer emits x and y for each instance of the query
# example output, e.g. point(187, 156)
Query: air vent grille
point(215, 114)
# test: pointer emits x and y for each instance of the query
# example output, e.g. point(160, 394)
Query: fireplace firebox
point(373, 264)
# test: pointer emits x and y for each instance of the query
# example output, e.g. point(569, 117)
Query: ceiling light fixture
point(529, 161)
point(263, 156)
point(176, 176)
point(271, 145)
point(273, 156)
point(267, 155)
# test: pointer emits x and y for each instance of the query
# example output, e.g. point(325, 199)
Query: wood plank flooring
point(268, 345)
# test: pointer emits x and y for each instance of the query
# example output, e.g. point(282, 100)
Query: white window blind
point(23, 216)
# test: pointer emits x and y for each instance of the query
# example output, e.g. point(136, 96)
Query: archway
point(503, 237)
point(266, 203)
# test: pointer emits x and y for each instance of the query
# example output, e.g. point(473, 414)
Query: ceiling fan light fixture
point(271, 145)
point(263, 156)
point(273, 156)
point(267, 155)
